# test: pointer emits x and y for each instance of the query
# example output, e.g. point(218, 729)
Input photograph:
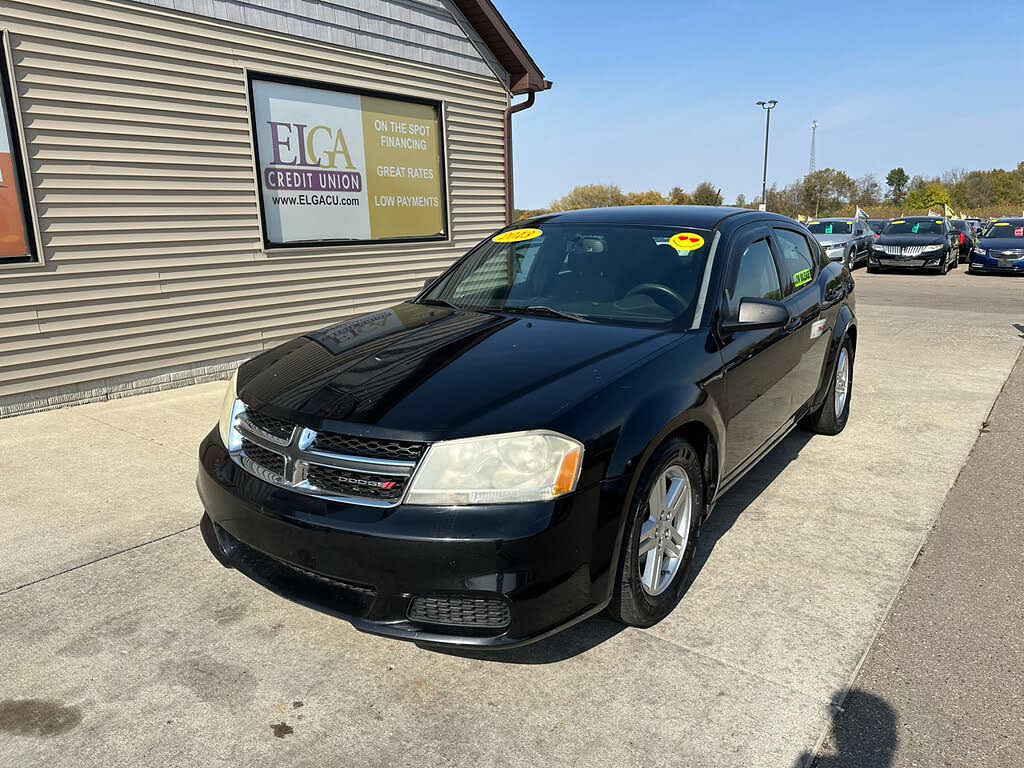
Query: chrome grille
point(368, 446)
point(350, 468)
point(907, 251)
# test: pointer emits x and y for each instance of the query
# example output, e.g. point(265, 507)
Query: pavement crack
point(97, 560)
point(136, 435)
point(736, 667)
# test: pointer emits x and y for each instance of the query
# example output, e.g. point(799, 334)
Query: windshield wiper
point(543, 311)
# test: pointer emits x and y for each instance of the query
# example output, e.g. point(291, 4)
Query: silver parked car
point(845, 240)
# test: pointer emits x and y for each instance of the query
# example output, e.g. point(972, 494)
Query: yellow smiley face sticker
point(517, 235)
point(686, 241)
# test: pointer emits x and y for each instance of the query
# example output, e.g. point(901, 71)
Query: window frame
point(815, 263)
point(18, 161)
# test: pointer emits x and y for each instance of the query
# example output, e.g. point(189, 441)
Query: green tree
point(589, 196)
point(706, 194)
point(650, 197)
point(679, 196)
point(929, 195)
point(826, 192)
point(868, 192)
point(741, 201)
point(897, 180)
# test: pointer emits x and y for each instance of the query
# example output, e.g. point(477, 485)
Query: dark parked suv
point(538, 435)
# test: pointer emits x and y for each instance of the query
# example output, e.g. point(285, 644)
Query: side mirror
point(758, 314)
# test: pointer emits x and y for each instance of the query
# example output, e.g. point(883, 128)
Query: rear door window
point(796, 261)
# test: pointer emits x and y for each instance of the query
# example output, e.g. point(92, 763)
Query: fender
point(845, 321)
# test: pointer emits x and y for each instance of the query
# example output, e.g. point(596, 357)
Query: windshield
point(959, 226)
point(830, 227)
point(915, 227)
point(1001, 229)
point(629, 274)
point(877, 225)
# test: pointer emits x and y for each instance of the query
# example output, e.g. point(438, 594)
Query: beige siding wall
point(137, 134)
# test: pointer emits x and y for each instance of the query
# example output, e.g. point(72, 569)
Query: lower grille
point(265, 458)
point(345, 482)
point(461, 611)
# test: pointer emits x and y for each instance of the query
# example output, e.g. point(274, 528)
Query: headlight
point(980, 251)
point(938, 247)
point(498, 469)
point(229, 410)
point(835, 247)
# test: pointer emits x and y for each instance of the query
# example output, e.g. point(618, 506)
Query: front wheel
point(831, 417)
point(661, 533)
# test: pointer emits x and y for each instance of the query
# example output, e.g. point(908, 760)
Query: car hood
point(833, 239)
point(1002, 243)
point(910, 240)
point(425, 372)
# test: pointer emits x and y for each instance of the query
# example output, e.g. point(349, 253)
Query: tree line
point(833, 192)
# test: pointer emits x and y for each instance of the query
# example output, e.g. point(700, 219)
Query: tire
point(825, 421)
point(634, 602)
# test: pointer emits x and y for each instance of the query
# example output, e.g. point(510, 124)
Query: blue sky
point(651, 94)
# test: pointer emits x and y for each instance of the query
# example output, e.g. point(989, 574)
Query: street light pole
point(767, 106)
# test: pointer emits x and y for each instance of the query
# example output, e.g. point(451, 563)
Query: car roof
point(697, 216)
point(920, 218)
point(835, 218)
point(1016, 220)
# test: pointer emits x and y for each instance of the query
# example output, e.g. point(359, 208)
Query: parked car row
point(931, 243)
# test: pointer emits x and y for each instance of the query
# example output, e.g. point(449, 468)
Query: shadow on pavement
point(863, 735)
point(590, 633)
point(743, 494)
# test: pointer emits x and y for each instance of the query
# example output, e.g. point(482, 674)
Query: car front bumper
point(1003, 265)
point(539, 567)
point(925, 261)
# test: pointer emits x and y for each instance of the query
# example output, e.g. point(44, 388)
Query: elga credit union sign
point(336, 165)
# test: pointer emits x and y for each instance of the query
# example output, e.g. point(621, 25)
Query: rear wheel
point(660, 536)
point(831, 417)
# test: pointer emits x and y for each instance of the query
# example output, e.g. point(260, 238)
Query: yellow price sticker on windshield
point(686, 241)
point(900, 221)
point(938, 221)
point(517, 235)
point(813, 222)
point(849, 222)
point(1002, 224)
point(801, 278)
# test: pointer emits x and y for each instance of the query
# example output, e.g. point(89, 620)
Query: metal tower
point(814, 129)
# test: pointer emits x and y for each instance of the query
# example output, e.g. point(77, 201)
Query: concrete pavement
point(126, 644)
point(944, 682)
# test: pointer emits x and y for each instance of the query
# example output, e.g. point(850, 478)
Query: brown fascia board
point(524, 74)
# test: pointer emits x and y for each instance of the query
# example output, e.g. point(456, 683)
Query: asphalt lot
point(126, 644)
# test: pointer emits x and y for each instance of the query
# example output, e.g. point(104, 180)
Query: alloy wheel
point(665, 534)
point(842, 382)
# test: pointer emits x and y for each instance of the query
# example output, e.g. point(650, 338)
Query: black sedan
point(1000, 249)
point(540, 433)
point(916, 242)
